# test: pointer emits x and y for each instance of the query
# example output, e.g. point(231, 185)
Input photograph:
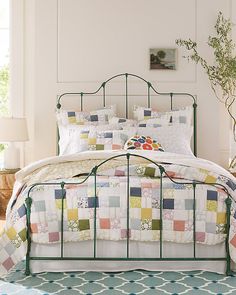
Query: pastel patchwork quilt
point(77, 200)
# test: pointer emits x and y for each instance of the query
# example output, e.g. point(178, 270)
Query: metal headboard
point(150, 88)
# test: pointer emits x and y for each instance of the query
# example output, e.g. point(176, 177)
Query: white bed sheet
point(118, 249)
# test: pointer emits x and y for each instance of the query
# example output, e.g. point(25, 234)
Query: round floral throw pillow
point(140, 142)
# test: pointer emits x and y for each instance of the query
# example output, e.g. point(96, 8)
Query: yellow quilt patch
point(72, 120)
point(83, 135)
point(72, 214)
point(146, 213)
point(11, 233)
point(211, 205)
point(135, 202)
point(221, 218)
point(210, 179)
point(59, 204)
point(92, 141)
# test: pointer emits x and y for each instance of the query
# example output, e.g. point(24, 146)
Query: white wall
point(74, 45)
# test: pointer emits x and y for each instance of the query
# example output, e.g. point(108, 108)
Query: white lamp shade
point(13, 129)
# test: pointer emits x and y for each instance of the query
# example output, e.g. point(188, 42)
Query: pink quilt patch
point(53, 237)
point(233, 241)
point(8, 263)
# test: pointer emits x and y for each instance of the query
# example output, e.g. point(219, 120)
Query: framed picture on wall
point(163, 58)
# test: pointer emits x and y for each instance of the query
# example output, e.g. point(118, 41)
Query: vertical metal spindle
point(58, 140)
point(195, 128)
point(95, 213)
point(28, 203)
point(128, 205)
point(149, 98)
point(171, 101)
point(194, 220)
point(126, 96)
point(162, 170)
point(63, 194)
point(81, 101)
point(228, 203)
point(104, 94)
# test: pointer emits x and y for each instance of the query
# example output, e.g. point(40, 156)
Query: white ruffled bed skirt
point(118, 249)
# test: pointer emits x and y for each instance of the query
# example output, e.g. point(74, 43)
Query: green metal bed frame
point(94, 173)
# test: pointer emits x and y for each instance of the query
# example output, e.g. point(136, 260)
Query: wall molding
point(192, 81)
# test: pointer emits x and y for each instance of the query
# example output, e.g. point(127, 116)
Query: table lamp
point(12, 130)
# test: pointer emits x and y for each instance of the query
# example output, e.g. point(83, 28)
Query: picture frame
point(163, 58)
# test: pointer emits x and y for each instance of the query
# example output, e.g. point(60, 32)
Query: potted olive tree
point(222, 73)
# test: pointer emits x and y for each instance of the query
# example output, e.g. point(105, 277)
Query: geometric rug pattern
point(127, 282)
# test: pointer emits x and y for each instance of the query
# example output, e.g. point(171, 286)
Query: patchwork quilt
point(77, 199)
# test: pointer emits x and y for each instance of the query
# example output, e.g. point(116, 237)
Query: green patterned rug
point(129, 282)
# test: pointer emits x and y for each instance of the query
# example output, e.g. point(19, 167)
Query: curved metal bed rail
point(163, 173)
point(150, 87)
point(149, 84)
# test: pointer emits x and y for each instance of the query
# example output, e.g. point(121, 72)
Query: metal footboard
point(128, 257)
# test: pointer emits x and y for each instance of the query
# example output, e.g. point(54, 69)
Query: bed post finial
point(162, 169)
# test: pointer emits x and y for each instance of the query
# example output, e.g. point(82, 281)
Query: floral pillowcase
point(141, 142)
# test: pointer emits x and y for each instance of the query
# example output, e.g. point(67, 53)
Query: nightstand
point(7, 179)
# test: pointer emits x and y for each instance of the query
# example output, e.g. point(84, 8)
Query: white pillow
point(96, 117)
point(123, 122)
point(74, 138)
point(173, 138)
point(108, 140)
point(150, 116)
